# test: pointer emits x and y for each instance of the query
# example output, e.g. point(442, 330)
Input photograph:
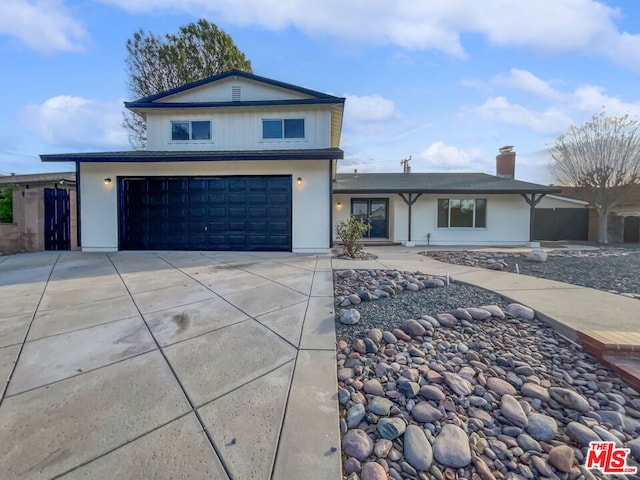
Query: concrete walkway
point(167, 365)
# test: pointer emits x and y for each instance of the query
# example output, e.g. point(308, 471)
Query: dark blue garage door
point(205, 213)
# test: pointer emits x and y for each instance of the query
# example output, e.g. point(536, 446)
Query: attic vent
point(235, 93)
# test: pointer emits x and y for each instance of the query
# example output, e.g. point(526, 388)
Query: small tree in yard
point(350, 232)
point(6, 204)
point(602, 158)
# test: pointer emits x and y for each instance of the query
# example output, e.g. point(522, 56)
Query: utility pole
point(406, 168)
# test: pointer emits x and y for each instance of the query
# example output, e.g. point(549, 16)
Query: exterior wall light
point(339, 204)
point(107, 181)
point(299, 180)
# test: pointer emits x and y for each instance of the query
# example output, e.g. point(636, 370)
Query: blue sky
point(446, 82)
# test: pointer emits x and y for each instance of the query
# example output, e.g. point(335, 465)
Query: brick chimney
point(506, 162)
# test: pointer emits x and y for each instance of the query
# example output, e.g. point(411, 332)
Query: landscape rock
point(391, 427)
point(356, 443)
point(537, 255)
point(451, 447)
point(417, 449)
point(520, 311)
point(541, 427)
point(562, 457)
point(569, 399)
point(373, 471)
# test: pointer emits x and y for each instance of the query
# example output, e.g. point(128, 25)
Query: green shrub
point(350, 232)
point(6, 204)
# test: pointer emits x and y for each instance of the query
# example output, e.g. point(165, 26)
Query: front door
point(373, 212)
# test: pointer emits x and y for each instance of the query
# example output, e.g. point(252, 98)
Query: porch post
point(532, 201)
point(410, 201)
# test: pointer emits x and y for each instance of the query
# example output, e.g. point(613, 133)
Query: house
point(43, 212)
point(242, 162)
point(623, 225)
point(234, 162)
point(32, 180)
point(443, 208)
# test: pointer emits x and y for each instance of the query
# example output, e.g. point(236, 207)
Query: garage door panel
point(200, 213)
point(236, 212)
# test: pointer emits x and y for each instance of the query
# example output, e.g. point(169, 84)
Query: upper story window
point(462, 212)
point(195, 130)
point(283, 128)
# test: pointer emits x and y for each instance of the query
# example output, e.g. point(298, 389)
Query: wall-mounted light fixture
point(339, 204)
point(299, 180)
point(107, 181)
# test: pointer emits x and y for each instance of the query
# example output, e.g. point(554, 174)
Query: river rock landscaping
point(613, 270)
point(450, 381)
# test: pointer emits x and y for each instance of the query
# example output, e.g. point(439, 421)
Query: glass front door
point(374, 213)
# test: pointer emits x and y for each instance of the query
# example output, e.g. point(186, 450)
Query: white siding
point(559, 202)
point(507, 220)
point(240, 128)
point(220, 91)
point(99, 215)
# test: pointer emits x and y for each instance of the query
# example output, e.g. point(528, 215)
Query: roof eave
point(195, 156)
point(141, 106)
point(444, 190)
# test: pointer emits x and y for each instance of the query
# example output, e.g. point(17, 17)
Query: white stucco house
point(242, 162)
point(233, 162)
point(443, 208)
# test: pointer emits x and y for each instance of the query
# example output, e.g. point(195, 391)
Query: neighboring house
point(234, 162)
point(624, 219)
point(44, 213)
point(242, 162)
point(33, 180)
point(443, 208)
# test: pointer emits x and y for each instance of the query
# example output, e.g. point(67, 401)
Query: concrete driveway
point(167, 365)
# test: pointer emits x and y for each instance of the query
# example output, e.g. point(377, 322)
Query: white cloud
point(592, 99)
point(43, 25)
point(77, 122)
point(499, 109)
point(527, 81)
point(367, 113)
point(441, 157)
point(552, 26)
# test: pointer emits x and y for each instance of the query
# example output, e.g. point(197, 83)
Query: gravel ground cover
point(605, 269)
point(431, 387)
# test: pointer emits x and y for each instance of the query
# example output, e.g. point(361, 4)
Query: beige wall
point(507, 220)
point(310, 200)
point(26, 233)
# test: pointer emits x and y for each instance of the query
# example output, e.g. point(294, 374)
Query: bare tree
point(602, 159)
point(156, 64)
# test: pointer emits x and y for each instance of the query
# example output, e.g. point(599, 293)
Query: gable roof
point(463, 183)
point(315, 96)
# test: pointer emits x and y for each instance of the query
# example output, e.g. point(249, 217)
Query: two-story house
point(233, 162)
point(242, 162)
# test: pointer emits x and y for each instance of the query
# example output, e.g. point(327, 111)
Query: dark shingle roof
point(196, 156)
point(319, 96)
point(434, 183)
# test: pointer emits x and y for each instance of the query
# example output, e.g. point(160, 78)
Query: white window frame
point(190, 122)
point(450, 199)
point(283, 138)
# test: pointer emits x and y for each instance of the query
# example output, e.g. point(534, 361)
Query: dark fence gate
point(57, 229)
point(561, 224)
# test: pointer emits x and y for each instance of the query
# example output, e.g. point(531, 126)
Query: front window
point(283, 128)
point(195, 130)
point(462, 212)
